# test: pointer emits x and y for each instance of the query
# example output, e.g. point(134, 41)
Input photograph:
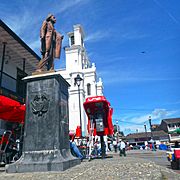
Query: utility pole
point(146, 132)
point(77, 81)
point(150, 126)
point(117, 126)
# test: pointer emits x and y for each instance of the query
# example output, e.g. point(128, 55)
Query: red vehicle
point(99, 114)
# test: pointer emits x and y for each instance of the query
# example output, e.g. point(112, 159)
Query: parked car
point(173, 156)
point(136, 147)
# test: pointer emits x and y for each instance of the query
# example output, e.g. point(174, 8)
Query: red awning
point(11, 110)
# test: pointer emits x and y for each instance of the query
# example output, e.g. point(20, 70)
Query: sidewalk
point(103, 169)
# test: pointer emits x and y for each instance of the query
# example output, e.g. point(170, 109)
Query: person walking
point(122, 148)
point(115, 145)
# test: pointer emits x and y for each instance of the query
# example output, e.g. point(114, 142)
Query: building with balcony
point(17, 60)
point(160, 133)
point(141, 138)
point(171, 125)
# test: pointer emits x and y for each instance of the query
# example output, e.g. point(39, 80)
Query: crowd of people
point(118, 145)
point(81, 148)
point(85, 148)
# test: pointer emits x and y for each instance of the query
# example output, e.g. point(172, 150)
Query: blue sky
point(135, 45)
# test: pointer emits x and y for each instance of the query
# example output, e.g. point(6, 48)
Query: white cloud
point(171, 16)
point(159, 113)
point(65, 5)
point(133, 36)
point(132, 122)
point(156, 114)
point(97, 36)
point(23, 24)
point(24, 15)
point(132, 129)
point(129, 76)
point(139, 119)
point(35, 44)
point(172, 103)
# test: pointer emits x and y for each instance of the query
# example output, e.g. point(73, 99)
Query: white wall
point(78, 35)
point(77, 62)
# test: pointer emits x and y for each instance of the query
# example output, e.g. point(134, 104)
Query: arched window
point(88, 89)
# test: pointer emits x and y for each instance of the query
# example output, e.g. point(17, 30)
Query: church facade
point(79, 65)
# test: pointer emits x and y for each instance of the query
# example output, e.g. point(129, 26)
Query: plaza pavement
point(116, 168)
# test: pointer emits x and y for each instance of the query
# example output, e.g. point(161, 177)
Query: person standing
point(122, 148)
point(115, 145)
point(51, 42)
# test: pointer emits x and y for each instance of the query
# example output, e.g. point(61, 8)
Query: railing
point(8, 82)
point(12, 87)
point(172, 129)
point(174, 137)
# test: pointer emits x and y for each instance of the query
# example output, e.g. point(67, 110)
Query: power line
point(133, 109)
point(129, 122)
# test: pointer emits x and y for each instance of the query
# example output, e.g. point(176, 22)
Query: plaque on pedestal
point(46, 134)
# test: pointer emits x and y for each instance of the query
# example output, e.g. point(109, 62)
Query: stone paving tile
point(106, 169)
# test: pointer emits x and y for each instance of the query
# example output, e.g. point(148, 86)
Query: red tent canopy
point(11, 110)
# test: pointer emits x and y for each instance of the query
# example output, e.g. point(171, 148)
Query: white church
point(79, 67)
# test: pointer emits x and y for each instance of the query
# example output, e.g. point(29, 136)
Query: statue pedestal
point(46, 134)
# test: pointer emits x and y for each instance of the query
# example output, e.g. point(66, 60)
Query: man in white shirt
point(122, 147)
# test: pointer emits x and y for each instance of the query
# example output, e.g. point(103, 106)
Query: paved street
point(137, 165)
point(159, 157)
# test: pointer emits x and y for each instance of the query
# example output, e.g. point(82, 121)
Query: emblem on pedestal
point(40, 105)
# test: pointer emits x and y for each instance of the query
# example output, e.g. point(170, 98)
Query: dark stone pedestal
point(46, 136)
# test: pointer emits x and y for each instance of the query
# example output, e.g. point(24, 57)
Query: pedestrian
point(109, 145)
point(122, 148)
point(74, 149)
point(131, 147)
point(153, 147)
point(115, 145)
point(176, 144)
point(97, 147)
point(150, 146)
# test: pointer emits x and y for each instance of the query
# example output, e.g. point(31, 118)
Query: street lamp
point(117, 133)
point(153, 142)
point(150, 126)
point(77, 81)
point(145, 131)
point(117, 125)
